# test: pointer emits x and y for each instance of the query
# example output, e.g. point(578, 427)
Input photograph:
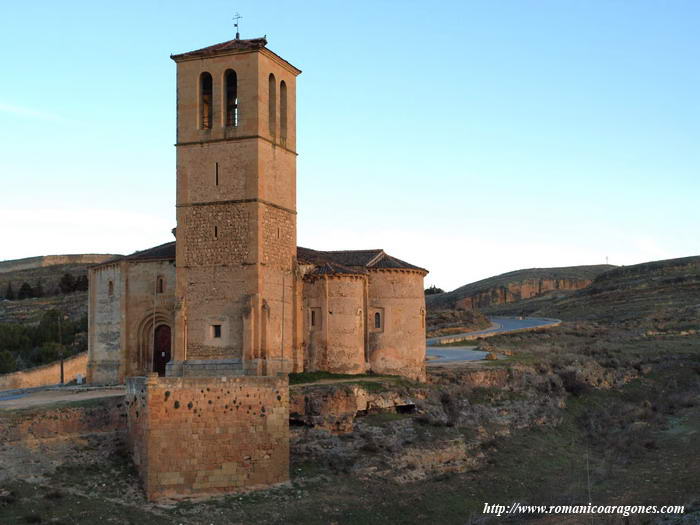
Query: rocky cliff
point(516, 286)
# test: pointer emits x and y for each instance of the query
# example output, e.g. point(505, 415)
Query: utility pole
point(60, 342)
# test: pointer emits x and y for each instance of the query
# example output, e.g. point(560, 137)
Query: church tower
point(236, 211)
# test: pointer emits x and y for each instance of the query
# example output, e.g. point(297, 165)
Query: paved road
point(468, 352)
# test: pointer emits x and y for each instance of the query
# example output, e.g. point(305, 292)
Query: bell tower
point(236, 210)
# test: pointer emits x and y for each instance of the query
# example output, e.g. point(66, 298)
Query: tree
point(67, 283)
point(25, 291)
point(49, 329)
point(434, 290)
point(9, 293)
point(81, 284)
point(7, 362)
point(15, 337)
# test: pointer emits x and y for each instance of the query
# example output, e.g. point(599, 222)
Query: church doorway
point(161, 348)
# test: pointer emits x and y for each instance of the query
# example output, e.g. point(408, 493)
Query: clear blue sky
point(469, 137)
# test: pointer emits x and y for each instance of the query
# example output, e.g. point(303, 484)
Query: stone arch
point(145, 332)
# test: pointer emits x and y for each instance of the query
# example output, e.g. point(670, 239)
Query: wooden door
point(161, 349)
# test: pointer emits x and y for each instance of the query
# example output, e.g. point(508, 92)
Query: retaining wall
point(46, 375)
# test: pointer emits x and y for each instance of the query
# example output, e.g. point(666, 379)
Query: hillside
point(516, 286)
point(47, 286)
point(43, 308)
point(647, 291)
point(42, 261)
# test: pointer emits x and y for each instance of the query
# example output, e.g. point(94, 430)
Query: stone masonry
point(194, 437)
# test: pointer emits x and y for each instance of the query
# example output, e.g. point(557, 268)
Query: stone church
point(234, 295)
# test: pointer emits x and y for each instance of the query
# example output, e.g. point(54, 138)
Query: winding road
point(500, 325)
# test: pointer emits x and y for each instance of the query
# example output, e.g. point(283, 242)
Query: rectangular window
point(216, 174)
point(216, 331)
point(314, 318)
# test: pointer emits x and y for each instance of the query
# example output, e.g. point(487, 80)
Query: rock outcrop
point(516, 286)
point(518, 291)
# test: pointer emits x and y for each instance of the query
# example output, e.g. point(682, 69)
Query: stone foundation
point(202, 436)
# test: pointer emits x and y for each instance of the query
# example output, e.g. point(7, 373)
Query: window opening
point(205, 93)
point(231, 103)
point(272, 104)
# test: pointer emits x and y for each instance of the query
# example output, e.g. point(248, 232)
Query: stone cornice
point(234, 139)
point(236, 201)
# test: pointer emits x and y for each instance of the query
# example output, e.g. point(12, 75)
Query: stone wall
point(397, 347)
point(120, 321)
point(279, 236)
point(198, 436)
point(215, 234)
point(105, 323)
point(44, 375)
point(144, 306)
point(336, 341)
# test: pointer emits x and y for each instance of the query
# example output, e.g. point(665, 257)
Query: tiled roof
point(232, 45)
point(353, 257)
point(358, 260)
point(387, 261)
point(164, 251)
point(333, 262)
point(330, 268)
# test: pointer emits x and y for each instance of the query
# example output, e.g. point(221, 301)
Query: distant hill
point(43, 275)
point(43, 261)
point(651, 290)
point(516, 286)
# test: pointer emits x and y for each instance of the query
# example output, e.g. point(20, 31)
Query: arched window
point(272, 104)
point(377, 320)
point(205, 100)
point(160, 285)
point(231, 102)
point(110, 288)
point(283, 112)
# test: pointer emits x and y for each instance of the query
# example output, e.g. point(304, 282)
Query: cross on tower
point(236, 18)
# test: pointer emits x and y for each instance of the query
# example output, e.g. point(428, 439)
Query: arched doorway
point(161, 348)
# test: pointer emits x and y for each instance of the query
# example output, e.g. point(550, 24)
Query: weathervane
point(236, 18)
